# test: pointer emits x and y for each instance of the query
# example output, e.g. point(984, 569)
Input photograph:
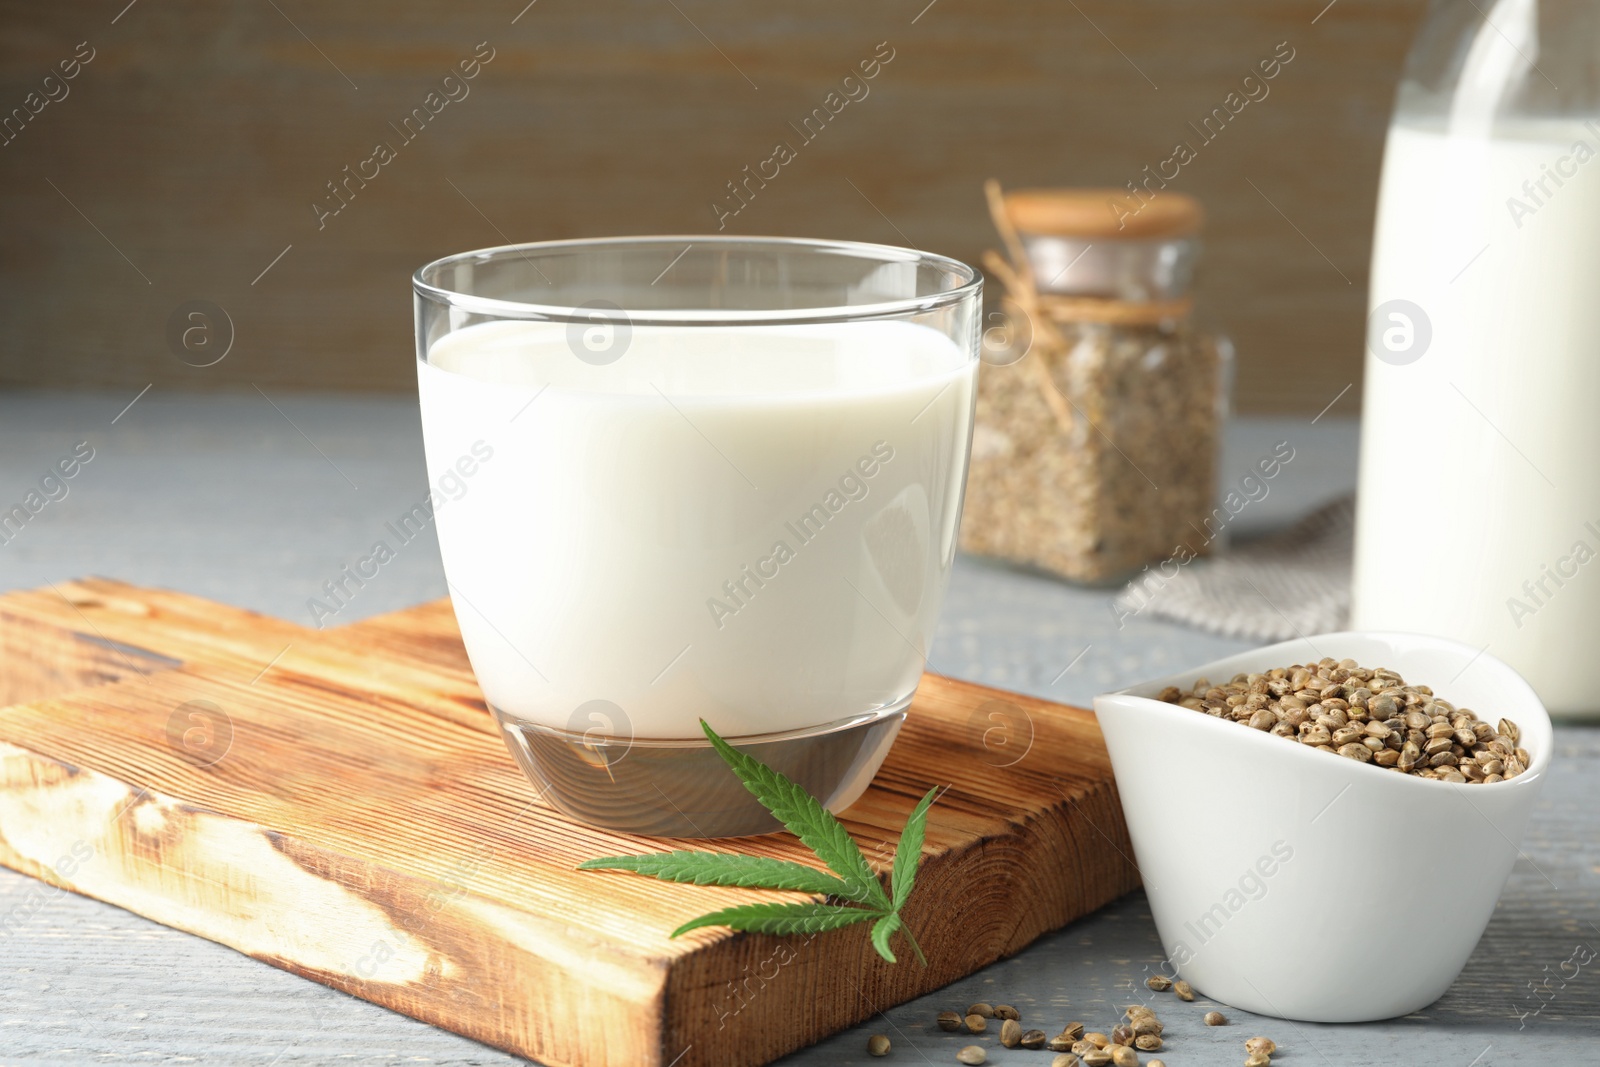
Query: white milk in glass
point(1479, 509)
point(747, 524)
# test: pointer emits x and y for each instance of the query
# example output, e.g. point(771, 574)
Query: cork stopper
point(1103, 213)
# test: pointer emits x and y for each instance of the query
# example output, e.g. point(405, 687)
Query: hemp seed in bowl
point(1372, 716)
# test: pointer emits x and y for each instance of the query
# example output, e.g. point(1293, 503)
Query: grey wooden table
point(228, 497)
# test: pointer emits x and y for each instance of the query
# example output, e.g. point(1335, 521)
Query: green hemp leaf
point(852, 893)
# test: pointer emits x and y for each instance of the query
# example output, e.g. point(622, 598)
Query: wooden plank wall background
point(187, 153)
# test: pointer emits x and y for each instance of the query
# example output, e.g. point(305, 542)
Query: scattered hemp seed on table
point(1139, 1030)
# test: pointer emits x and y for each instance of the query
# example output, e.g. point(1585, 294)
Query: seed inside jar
point(1371, 716)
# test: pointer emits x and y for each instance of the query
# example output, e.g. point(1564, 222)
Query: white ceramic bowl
point(1303, 885)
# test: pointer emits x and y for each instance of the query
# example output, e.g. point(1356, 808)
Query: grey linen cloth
point(1288, 584)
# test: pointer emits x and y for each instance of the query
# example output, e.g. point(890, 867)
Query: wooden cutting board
point(338, 803)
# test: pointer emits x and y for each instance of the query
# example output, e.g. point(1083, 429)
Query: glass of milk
point(696, 478)
point(1478, 514)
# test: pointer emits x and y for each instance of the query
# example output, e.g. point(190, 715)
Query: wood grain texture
point(189, 152)
point(348, 813)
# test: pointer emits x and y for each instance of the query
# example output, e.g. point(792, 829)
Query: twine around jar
point(1044, 311)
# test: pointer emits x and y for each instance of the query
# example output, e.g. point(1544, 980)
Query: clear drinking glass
point(686, 478)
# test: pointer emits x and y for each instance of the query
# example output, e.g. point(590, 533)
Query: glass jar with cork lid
point(1100, 406)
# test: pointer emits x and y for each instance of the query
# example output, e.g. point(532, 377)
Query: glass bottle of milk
point(1478, 515)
